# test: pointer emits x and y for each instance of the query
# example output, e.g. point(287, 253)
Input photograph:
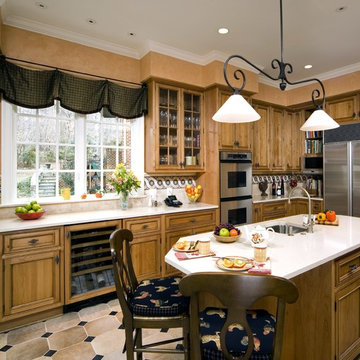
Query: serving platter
point(222, 264)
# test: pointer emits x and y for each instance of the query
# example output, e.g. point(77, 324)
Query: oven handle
point(236, 198)
point(236, 161)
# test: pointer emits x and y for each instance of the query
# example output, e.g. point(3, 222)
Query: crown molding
point(67, 35)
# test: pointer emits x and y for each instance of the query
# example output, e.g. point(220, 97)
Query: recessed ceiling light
point(91, 21)
point(223, 31)
point(41, 5)
point(341, 9)
point(308, 66)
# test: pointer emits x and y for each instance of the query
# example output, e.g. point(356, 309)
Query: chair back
point(237, 292)
point(124, 274)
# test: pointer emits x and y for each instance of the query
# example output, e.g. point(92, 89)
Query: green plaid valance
point(39, 88)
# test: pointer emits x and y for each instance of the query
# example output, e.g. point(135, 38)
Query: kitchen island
point(324, 323)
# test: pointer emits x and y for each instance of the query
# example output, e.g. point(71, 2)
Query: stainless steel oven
point(235, 187)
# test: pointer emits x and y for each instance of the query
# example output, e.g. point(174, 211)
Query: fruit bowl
point(227, 239)
point(193, 193)
point(30, 216)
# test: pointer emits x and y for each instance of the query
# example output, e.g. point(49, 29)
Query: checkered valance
point(39, 88)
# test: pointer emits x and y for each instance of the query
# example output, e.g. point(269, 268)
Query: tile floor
point(93, 333)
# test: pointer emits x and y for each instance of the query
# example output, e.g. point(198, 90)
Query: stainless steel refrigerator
point(342, 177)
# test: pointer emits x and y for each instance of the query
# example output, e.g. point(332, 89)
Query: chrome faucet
point(310, 223)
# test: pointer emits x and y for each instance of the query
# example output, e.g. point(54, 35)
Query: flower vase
point(124, 197)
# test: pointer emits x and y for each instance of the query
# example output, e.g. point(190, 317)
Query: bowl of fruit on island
point(193, 192)
point(227, 233)
point(30, 211)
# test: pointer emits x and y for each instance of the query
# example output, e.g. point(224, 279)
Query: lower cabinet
point(32, 276)
point(185, 224)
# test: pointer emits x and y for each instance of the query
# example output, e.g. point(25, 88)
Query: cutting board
point(325, 222)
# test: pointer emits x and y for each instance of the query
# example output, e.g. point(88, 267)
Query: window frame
point(9, 158)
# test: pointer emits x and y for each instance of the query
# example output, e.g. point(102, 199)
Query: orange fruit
point(228, 263)
point(233, 232)
point(180, 245)
point(239, 263)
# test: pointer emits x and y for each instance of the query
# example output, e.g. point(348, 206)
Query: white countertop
point(47, 220)
point(259, 198)
point(290, 255)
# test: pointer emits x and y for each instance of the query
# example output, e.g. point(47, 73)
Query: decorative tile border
point(164, 182)
point(259, 178)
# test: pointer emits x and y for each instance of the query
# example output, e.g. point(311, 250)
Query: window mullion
point(80, 155)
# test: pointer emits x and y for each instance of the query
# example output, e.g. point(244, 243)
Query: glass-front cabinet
point(174, 130)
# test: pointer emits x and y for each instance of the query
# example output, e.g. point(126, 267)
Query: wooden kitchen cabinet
point(146, 245)
point(260, 140)
point(185, 224)
point(32, 277)
point(345, 110)
point(293, 140)
point(277, 136)
point(174, 130)
point(234, 136)
point(347, 306)
point(257, 213)
point(274, 210)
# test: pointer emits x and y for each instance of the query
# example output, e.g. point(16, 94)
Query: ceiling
point(314, 32)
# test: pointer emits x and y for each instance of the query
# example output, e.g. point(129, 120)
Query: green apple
point(28, 207)
point(33, 202)
point(36, 207)
point(39, 210)
point(224, 232)
point(31, 211)
point(19, 209)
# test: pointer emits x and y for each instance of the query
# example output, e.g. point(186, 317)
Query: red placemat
point(193, 255)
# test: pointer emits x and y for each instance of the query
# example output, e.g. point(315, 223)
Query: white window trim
point(8, 157)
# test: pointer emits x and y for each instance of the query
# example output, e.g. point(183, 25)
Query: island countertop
point(290, 255)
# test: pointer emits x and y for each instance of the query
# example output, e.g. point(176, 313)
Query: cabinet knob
point(354, 115)
point(193, 220)
point(182, 163)
point(33, 241)
point(57, 259)
point(236, 143)
point(352, 267)
point(145, 226)
point(273, 164)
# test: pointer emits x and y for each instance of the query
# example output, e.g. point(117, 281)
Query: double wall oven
point(235, 187)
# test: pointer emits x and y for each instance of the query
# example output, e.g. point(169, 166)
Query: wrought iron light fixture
point(237, 109)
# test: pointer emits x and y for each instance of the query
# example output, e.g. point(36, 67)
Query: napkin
point(192, 255)
point(261, 268)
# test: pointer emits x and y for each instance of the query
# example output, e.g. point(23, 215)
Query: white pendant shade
point(318, 121)
point(236, 110)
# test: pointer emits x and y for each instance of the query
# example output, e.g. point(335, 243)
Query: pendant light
point(237, 110)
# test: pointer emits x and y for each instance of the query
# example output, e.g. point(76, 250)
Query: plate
point(248, 263)
point(186, 248)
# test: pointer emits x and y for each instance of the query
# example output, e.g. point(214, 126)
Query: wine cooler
point(89, 267)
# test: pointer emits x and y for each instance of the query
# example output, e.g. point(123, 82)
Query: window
point(46, 150)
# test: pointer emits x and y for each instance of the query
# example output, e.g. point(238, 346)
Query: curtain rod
point(72, 71)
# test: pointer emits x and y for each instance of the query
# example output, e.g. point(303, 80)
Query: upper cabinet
point(174, 130)
point(345, 110)
point(260, 141)
point(234, 136)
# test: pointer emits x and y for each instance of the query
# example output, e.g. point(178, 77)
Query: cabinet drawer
point(190, 220)
point(143, 225)
point(21, 241)
point(279, 208)
point(347, 268)
point(317, 206)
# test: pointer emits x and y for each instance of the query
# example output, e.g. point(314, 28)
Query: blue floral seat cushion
point(159, 297)
point(261, 323)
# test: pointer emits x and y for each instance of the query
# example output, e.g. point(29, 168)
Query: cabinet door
point(347, 328)
point(260, 143)
point(274, 210)
point(302, 206)
point(193, 129)
point(257, 213)
point(170, 239)
point(317, 206)
point(31, 283)
point(297, 140)
point(344, 111)
point(168, 133)
point(234, 136)
point(145, 255)
point(277, 137)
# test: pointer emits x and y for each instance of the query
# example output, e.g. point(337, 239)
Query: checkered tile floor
point(93, 333)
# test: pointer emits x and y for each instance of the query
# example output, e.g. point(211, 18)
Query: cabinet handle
point(352, 267)
point(68, 234)
point(193, 220)
point(145, 226)
point(182, 164)
point(236, 143)
point(33, 241)
point(359, 114)
point(354, 115)
point(273, 164)
point(57, 259)
point(288, 165)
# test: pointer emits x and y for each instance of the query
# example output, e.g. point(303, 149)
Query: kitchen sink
point(289, 229)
